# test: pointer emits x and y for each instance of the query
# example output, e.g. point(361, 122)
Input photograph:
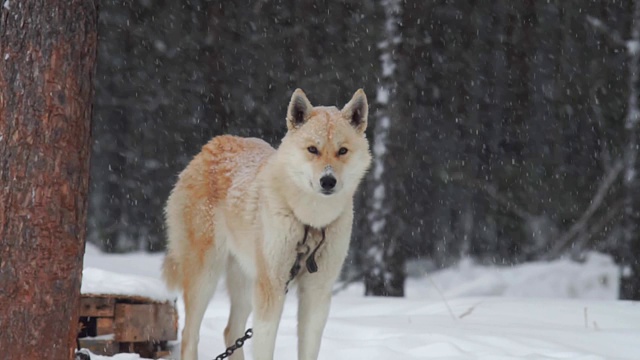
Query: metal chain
point(302, 250)
point(82, 355)
point(237, 345)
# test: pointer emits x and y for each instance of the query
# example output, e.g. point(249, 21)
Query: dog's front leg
point(274, 258)
point(314, 300)
point(314, 289)
point(268, 304)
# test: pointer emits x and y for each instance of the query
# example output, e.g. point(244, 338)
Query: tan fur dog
point(241, 207)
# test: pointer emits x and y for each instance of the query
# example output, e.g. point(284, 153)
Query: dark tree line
point(511, 123)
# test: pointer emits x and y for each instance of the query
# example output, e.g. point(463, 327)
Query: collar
point(302, 250)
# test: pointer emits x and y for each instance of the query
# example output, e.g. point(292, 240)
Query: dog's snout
point(328, 182)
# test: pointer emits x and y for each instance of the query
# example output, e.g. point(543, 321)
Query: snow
point(382, 95)
point(388, 65)
point(103, 282)
point(633, 46)
point(544, 310)
point(596, 278)
point(6, 5)
point(378, 194)
point(116, 357)
point(379, 150)
point(377, 226)
point(380, 147)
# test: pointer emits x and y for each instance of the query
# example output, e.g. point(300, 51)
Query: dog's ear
point(357, 110)
point(299, 110)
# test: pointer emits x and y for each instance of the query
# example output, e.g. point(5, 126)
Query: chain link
point(237, 345)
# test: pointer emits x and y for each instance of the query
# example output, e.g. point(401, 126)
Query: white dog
point(263, 214)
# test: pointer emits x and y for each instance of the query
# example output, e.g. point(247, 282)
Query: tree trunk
point(47, 55)
point(630, 282)
point(384, 259)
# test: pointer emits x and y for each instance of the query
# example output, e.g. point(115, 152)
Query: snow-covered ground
point(556, 310)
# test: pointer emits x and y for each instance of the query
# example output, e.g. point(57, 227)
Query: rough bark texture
point(47, 55)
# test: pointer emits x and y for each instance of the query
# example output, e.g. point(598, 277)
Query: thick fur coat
point(240, 208)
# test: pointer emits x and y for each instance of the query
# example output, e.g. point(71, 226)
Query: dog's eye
point(342, 151)
point(313, 149)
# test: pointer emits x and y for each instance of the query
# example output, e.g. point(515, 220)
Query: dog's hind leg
point(200, 280)
point(240, 287)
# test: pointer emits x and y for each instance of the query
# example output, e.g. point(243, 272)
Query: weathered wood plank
point(97, 306)
point(100, 346)
point(145, 322)
point(104, 326)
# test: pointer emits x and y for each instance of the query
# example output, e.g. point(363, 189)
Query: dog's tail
point(172, 272)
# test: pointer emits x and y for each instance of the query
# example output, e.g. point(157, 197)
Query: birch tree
point(384, 262)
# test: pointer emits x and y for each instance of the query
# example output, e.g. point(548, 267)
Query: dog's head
point(325, 148)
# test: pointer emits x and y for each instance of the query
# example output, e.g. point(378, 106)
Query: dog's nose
point(328, 182)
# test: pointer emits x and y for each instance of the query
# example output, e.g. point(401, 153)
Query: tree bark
point(384, 257)
point(47, 55)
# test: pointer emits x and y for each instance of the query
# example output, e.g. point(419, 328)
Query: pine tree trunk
point(630, 282)
point(47, 54)
point(384, 259)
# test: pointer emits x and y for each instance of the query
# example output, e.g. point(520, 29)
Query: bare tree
point(384, 274)
point(47, 55)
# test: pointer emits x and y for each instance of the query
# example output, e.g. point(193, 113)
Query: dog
point(259, 214)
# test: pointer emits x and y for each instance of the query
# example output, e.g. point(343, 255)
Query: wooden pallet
point(113, 324)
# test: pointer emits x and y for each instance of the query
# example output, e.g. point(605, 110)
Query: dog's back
point(221, 172)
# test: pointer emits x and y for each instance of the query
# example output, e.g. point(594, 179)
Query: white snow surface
point(544, 310)
point(103, 282)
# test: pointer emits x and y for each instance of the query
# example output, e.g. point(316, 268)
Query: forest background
point(512, 132)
